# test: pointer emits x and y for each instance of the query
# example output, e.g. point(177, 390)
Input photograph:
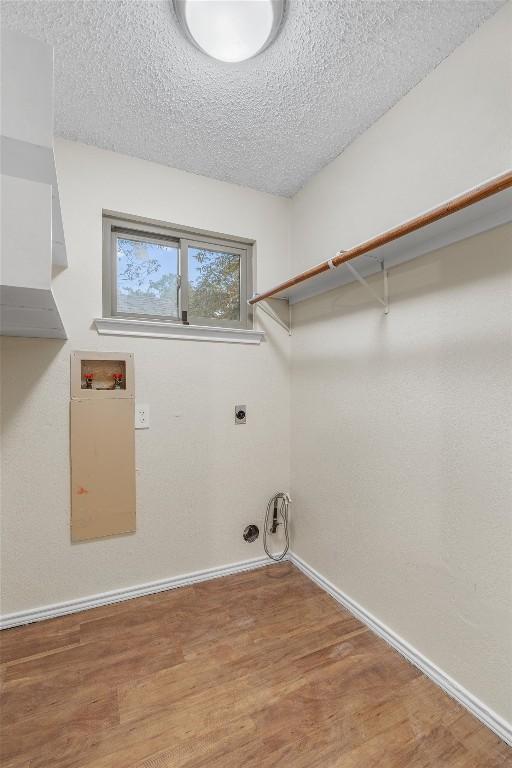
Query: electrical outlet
point(141, 416)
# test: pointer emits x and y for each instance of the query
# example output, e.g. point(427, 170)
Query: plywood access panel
point(102, 468)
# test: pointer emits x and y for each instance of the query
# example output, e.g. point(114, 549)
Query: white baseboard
point(501, 727)
point(119, 595)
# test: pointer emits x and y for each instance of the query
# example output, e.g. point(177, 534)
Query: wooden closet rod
point(475, 195)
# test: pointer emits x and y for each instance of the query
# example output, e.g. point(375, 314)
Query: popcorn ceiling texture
point(127, 80)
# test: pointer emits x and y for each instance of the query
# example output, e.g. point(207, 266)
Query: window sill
point(119, 326)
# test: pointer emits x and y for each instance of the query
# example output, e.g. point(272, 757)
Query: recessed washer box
point(105, 375)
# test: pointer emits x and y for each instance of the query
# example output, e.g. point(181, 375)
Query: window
point(154, 271)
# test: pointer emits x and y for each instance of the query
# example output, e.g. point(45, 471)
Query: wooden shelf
point(477, 210)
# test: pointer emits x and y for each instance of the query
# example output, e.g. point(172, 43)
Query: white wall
point(402, 425)
point(200, 478)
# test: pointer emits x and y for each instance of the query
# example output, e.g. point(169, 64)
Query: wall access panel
point(103, 500)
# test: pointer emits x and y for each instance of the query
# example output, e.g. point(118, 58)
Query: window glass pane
point(214, 284)
point(147, 278)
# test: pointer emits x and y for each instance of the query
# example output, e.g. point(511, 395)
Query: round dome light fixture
point(231, 30)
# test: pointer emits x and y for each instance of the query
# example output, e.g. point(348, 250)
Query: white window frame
point(115, 224)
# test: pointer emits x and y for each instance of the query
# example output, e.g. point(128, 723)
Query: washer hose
point(278, 505)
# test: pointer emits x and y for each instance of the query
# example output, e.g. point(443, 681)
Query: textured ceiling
point(128, 80)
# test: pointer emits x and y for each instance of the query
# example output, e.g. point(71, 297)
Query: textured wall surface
point(402, 430)
point(401, 446)
point(200, 478)
point(128, 80)
point(402, 425)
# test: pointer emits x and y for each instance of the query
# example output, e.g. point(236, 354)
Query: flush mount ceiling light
point(230, 30)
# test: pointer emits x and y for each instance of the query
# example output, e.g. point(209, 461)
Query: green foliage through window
point(147, 277)
point(214, 284)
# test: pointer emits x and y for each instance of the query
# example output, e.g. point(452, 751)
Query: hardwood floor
point(256, 670)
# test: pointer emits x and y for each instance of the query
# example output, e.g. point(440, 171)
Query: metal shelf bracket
point(279, 310)
point(383, 301)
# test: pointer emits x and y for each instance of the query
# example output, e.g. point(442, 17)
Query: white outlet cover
point(141, 416)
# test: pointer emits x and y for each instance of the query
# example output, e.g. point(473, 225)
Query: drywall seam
point(119, 595)
point(487, 716)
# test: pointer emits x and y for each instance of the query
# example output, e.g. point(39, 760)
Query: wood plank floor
point(256, 670)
